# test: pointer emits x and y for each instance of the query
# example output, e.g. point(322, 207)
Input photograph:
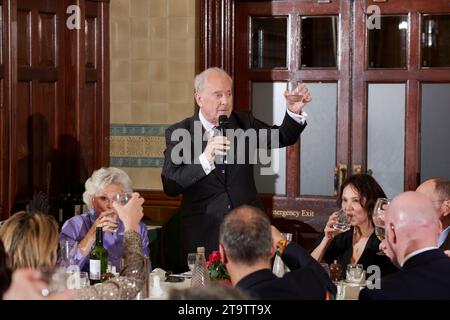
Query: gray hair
point(246, 235)
point(201, 77)
point(102, 178)
point(442, 188)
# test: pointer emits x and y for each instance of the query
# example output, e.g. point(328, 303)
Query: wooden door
point(392, 86)
point(55, 99)
point(276, 42)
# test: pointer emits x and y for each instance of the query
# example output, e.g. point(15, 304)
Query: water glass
point(355, 273)
point(191, 260)
point(343, 222)
point(340, 290)
point(67, 253)
point(77, 280)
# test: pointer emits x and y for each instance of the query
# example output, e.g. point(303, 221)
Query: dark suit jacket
point(207, 198)
point(307, 279)
point(341, 249)
point(424, 276)
point(446, 244)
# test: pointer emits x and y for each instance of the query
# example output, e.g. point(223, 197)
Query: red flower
point(217, 270)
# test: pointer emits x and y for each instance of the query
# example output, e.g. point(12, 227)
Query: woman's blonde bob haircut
point(30, 240)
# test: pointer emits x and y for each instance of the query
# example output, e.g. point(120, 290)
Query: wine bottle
point(98, 260)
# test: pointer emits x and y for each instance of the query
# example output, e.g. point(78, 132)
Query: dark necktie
point(218, 161)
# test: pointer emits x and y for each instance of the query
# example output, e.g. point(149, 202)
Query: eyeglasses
point(106, 198)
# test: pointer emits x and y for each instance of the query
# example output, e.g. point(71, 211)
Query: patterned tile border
point(132, 162)
point(137, 145)
point(138, 130)
point(132, 146)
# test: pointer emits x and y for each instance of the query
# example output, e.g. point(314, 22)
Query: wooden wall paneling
point(51, 100)
point(3, 113)
point(217, 34)
point(96, 64)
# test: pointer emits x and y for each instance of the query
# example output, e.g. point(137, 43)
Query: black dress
point(341, 249)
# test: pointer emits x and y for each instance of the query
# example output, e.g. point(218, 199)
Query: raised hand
point(131, 213)
point(107, 220)
point(297, 99)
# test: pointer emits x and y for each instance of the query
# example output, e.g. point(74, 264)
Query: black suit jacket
point(446, 244)
point(307, 280)
point(207, 198)
point(424, 276)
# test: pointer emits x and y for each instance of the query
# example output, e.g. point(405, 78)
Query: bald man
point(412, 231)
point(438, 190)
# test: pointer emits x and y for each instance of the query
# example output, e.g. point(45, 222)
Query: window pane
point(386, 135)
point(269, 42)
point(318, 142)
point(435, 41)
point(319, 42)
point(387, 45)
point(435, 131)
point(268, 105)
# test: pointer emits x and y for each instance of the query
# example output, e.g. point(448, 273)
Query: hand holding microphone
point(218, 145)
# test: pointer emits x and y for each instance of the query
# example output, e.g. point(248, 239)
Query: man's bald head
point(411, 224)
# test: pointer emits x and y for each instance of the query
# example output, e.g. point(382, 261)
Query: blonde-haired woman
point(31, 240)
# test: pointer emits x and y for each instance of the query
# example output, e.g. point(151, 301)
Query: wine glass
point(191, 260)
point(378, 217)
point(293, 93)
point(122, 198)
point(343, 222)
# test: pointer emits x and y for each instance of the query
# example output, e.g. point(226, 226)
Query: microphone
point(223, 123)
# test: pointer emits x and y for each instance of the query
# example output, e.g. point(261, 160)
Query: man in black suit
point(412, 229)
point(192, 163)
point(247, 245)
point(438, 190)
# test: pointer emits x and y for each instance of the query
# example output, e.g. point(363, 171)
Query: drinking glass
point(343, 222)
point(191, 260)
point(355, 273)
point(67, 253)
point(77, 280)
point(287, 235)
point(293, 93)
point(378, 217)
point(340, 290)
point(122, 198)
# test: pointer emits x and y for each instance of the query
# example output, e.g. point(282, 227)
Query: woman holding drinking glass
point(105, 186)
point(31, 241)
point(359, 244)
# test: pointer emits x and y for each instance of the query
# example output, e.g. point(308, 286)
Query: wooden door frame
point(292, 205)
point(412, 76)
